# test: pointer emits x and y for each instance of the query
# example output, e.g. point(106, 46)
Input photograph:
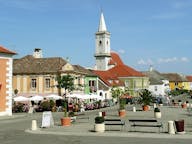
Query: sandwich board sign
point(47, 119)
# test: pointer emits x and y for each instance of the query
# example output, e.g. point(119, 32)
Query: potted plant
point(157, 112)
point(122, 111)
point(66, 120)
point(99, 124)
point(145, 98)
point(184, 105)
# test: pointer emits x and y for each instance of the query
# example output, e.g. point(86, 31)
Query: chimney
point(37, 53)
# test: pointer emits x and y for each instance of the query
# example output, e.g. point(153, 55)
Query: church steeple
point(102, 46)
point(102, 25)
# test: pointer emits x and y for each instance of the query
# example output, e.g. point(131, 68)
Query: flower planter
point(184, 105)
point(99, 127)
point(66, 121)
point(145, 108)
point(157, 115)
point(122, 113)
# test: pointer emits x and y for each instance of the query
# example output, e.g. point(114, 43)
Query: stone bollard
point(34, 125)
point(154, 105)
point(134, 109)
point(100, 114)
point(171, 129)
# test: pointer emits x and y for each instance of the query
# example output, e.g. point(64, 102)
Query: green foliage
point(71, 114)
point(99, 119)
point(18, 107)
point(116, 92)
point(156, 109)
point(45, 106)
point(145, 97)
point(122, 103)
point(177, 92)
point(66, 82)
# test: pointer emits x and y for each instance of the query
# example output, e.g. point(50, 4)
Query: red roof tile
point(4, 50)
point(111, 76)
point(189, 78)
point(115, 58)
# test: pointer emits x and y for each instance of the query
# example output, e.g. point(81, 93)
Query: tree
point(116, 92)
point(66, 82)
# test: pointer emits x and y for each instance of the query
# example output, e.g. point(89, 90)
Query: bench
point(113, 122)
point(145, 123)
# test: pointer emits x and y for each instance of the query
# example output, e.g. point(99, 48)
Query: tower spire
point(102, 25)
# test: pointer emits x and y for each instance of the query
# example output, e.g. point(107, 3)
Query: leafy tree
point(116, 92)
point(65, 82)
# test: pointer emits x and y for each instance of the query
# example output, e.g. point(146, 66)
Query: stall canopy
point(54, 97)
point(20, 98)
point(36, 98)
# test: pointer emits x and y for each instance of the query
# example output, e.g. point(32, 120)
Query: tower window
point(100, 42)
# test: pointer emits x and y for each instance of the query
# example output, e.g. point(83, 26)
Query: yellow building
point(177, 81)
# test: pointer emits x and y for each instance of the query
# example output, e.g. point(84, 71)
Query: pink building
point(6, 81)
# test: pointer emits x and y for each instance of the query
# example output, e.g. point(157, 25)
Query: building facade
point(35, 75)
point(6, 81)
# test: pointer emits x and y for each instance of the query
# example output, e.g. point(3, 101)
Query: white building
point(159, 86)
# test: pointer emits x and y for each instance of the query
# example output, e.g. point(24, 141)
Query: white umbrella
point(20, 98)
point(36, 98)
point(53, 96)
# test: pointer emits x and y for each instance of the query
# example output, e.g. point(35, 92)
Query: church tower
point(102, 46)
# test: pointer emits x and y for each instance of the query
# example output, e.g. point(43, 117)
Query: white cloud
point(184, 59)
point(121, 51)
point(145, 62)
point(173, 59)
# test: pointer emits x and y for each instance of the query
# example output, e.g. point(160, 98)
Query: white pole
point(171, 129)
point(34, 125)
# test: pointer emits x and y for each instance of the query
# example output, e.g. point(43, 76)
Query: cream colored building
point(34, 74)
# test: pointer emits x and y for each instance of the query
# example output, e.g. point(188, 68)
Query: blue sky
point(143, 32)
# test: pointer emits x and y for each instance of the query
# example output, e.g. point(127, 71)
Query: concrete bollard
point(154, 105)
point(34, 125)
point(171, 129)
point(100, 114)
point(134, 109)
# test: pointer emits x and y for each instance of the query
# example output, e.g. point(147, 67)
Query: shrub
point(99, 119)
point(156, 109)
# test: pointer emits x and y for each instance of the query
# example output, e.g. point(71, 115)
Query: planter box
point(99, 127)
point(157, 114)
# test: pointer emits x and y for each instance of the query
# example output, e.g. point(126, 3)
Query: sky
point(143, 32)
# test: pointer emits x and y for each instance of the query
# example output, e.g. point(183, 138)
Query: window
point(47, 83)
point(100, 42)
point(33, 83)
point(91, 83)
point(126, 83)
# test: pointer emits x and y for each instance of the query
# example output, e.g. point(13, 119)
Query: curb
point(115, 134)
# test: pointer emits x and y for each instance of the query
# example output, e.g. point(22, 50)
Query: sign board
point(47, 119)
